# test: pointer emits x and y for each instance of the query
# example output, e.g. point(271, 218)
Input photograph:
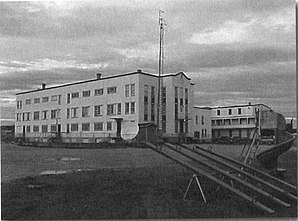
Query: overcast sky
point(235, 51)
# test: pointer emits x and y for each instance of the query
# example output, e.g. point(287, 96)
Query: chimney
point(139, 71)
point(98, 75)
point(43, 86)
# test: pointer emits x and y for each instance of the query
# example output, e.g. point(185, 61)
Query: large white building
point(89, 110)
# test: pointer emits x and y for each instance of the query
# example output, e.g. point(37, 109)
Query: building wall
point(202, 123)
point(235, 121)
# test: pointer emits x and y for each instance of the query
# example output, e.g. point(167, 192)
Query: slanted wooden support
point(245, 174)
point(197, 170)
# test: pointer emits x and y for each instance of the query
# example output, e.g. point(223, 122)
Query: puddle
point(56, 172)
point(69, 159)
point(31, 186)
point(50, 172)
point(63, 159)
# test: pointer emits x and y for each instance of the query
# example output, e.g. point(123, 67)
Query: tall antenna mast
point(160, 69)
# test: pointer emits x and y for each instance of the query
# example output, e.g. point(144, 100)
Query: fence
point(73, 137)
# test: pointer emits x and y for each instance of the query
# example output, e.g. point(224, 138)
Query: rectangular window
point(152, 112)
point(127, 90)
point(55, 97)
point(36, 128)
point(44, 128)
point(86, 127)
point(27, 116)
point(98, 92)
point(197, 120)
point(218, 112)
point(86, 93)
point(126, 108)
point(85, 111)
point(53, 128)
point(28, 101)
point(119, 109)
point(74, 127)
point(239, 110)
point(67, 128)
point(176, 126)
point(54, 114)
point(181, 104)
point(36, 115)
point(68, 99)
point(45, 99)
point(230, 111)
point(36, 100)
point(112, 90)
point(146, 93)
point(111, 109)
point(146, 112)
point(176, 92)
point(109, 125)
point(164, 127)
point(97, 110)
point(74, 112)
point(163, 95)
point(45, 115)
point(152, 95)
point(202, 120)
point(67, 113)
point(98, 126)
point(132, 90)
point(75, 95)
point(19, 105)
point(132, 107)
point(28, 128)
point(181, 92)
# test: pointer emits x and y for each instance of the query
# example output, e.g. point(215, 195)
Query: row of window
point(112, 109)
point(97, 126)
point(236, 121)
point(97, 92)
point(54, 98)
point(239, 111)
point(26, 116)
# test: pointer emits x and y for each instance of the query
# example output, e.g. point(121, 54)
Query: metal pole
point(160, 69)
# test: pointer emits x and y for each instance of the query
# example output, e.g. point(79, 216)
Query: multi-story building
point(202, 124)
point(235, 121)
point(89, 110)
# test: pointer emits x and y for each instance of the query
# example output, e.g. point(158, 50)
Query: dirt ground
point(125, 183)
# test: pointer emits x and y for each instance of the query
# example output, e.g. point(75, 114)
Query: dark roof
point(241, 105)
point(104, 78)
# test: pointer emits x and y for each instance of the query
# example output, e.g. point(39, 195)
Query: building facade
point(235, 121)
point(92, 110)
point(202, 124)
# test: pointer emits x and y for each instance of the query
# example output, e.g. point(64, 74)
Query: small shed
point(147, 132)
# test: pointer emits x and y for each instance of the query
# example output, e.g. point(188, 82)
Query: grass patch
point(135, 193)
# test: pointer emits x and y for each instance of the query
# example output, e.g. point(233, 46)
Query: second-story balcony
point(229, 123)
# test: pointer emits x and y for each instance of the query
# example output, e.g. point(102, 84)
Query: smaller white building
point(202, 124)
point(235, 121)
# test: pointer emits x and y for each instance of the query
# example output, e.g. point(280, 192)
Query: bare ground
point(126, 184)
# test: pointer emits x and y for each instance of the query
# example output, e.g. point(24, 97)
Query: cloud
point(46, 64)
point(230, 32)
point(234, 50)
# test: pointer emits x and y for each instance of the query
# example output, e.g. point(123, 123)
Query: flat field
point(124, 183)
